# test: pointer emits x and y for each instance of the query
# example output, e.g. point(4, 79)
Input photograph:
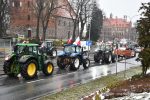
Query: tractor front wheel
point(86, 63)
point(76, 64)
point(29, 69)
point(48, 69)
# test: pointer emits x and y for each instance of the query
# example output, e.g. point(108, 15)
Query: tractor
point(73, 56)
point(27, 60)
point(48, 48)
point(104, 54)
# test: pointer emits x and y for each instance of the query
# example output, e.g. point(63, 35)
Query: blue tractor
point(73, 56)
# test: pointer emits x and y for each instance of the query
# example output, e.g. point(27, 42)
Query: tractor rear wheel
point(48, 69)
point(86, 63)
point(60, 63)
point(76, 64)
point(7, 68)
point(97, 57)
point(29, 69)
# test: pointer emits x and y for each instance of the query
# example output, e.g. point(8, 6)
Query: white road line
point(35, 81)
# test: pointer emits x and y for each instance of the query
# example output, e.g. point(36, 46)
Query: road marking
point(35, 81)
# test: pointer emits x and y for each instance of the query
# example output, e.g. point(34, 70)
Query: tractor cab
point(22, 49)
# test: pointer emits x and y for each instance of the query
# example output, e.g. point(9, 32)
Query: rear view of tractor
point(104, 54)
point(27, 60)
point(49, 48)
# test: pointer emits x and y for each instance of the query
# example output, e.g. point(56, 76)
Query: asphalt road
point(19, 89)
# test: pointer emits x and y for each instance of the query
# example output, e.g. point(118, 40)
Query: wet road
point(19, 89)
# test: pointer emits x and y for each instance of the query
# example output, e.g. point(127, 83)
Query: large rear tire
point(76, 64)
point(48, 69)
point(7, 68)
point(86, 63)
point(97, 57)
point(60, 63)
point(29, 69)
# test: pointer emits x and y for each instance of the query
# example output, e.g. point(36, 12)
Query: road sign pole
point(125, 67)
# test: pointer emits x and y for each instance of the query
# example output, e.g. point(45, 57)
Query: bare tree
point(4, 17)
point(81, 10)
point(84, 14)
point(38, 7)
point(45, 10)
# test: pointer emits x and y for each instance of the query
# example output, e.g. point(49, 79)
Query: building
point(115, 28)
point(23, 20)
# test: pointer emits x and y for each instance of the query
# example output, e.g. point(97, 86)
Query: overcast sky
point(120, 8)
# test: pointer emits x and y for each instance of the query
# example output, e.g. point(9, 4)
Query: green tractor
point(27, 60)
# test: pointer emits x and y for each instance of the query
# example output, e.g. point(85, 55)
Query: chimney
point(111, 15)
point(125, 18)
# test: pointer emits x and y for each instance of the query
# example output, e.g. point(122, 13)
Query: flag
point(77, 41)
point(69, 40)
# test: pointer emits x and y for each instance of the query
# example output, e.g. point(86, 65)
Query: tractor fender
point(25, 58)
point(45, 62)
point(9, 57)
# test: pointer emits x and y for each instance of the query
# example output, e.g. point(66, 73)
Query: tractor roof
point(27, 44)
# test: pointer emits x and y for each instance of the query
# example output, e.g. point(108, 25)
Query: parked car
point(73, 56)
point(138, 49)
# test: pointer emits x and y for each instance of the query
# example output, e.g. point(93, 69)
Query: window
point(64, 23)
point(20, 4)
point(13, 4)
point(28, 17)
point(69, 24)
point(59, 22)
point(28, 3)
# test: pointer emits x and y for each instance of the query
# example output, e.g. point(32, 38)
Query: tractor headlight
point(7, 58)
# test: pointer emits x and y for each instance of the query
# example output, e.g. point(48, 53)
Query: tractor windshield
point(69, 49)
point(25, 49)
point(103, 47)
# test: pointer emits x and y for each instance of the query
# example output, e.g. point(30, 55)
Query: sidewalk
point(82, 90)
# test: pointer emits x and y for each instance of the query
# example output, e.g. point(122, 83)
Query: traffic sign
point(88, 43)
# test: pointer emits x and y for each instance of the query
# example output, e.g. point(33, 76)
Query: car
point(73, 56)
point(48, 48)
point(27, 60)
point(104, 54)
point(138, 49)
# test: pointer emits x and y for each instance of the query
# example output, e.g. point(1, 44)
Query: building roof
point(116, 22)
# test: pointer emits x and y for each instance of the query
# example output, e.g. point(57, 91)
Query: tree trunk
point(81, 31)
point(37, 28)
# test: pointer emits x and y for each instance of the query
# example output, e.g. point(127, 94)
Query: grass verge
point(77, 92)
